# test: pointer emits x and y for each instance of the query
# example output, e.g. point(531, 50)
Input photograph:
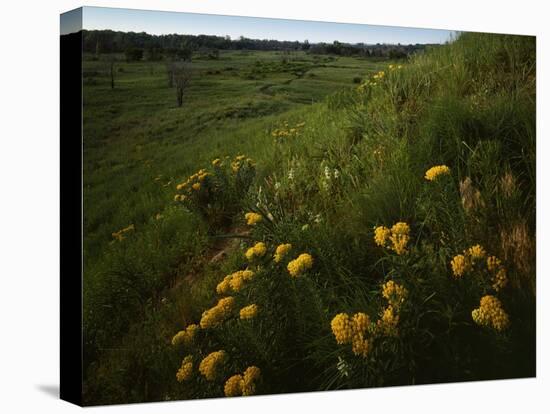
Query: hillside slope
point(367, 266)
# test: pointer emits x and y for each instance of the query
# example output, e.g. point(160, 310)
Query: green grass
point(469, 105)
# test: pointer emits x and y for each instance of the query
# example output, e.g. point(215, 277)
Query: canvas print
point(279, 206)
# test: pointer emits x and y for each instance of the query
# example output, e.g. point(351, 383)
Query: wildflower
point(158, 216)
point(233, 386)
point(186, 336)
point(300, 264)
point(342, 328)
point(258, 250)
point(493, 263)
point(249, 312)
point(196, 186)
point(388, 321)
point(433, 173)
point(360, 323)
point(328, 175)
point(253, 218)
point(476, 252)
point(216, 162)
point(394, 293)
point(247, 274)
point(400, 237)
point(360, 346)
point(500, 280)
point(210, 364)
point(224, 286)
point(490, 313)
point(381, 235)
point(460, 265)
point(216, 315)
point(236, 282)
point(186, 369)
point(281, 251)
point(250, 377)
point(336, 174)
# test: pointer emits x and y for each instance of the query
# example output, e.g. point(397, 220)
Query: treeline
point(138, 46)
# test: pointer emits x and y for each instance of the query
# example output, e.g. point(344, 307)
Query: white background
point(29, 206)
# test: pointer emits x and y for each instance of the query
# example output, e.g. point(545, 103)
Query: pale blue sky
point(158, 22)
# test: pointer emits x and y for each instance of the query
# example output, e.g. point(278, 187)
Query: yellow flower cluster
point(388, 321)
point(379, 75)
point(394, 67)
point(498, 273)
point(186, 336)
point(233, 386)
point(433, 173)
point(216, 162)
point(381, 235)
point(460, 265)
point(394, 293)
point(234, 281)
point(476, 252)
point(352, 330)
point(248, 312)
point(398, 235)
point(287, 131)
point(463, 263)
point(253, 218)
point(210, 364)
point(219, 313)
point(493, 263)
point(193, 182)
point(258, 250)
point(119, 235)
point(239, 161)
point(244, 384)
point(180, 197)
point(186, 369)
point(500, 280)
point(250, 377)
point(281, 252)
point(299, 265)
point(490, 313)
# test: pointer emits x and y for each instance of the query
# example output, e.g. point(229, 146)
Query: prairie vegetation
point(310, 223)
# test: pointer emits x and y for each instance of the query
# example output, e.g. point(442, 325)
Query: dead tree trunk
point(112, 74)
point(181, 74)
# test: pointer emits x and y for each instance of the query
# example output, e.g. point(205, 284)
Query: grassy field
point(331, 154)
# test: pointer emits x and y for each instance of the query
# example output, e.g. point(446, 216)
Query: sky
point(158, 22)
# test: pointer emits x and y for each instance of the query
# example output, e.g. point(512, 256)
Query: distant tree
point(133, 54)
point(305, 45)
point(181, 77)
point(112, 71)
point(110, 61)
point(153, 54)
point(397, 54)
